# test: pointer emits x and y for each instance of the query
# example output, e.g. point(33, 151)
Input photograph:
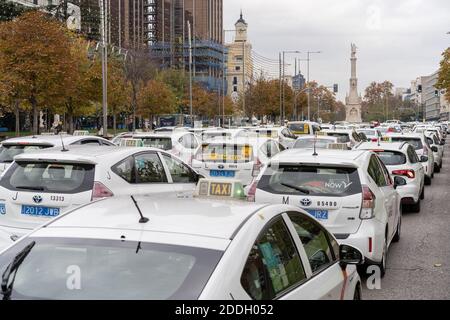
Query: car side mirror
point(349, 255)
point(434, 149)
point(423, 159)
point(442, 142)
point(399, 181)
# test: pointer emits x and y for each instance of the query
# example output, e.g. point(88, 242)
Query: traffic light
point(419, 88)
point(436, 93)
point(335, 88)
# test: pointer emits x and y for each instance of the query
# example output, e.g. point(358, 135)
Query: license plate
point(219, 173)
point(319, 214)
point(40, 211)
point(2, 208)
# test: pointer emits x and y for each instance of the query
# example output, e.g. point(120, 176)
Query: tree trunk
point(114, 124)
point(17, 115)
point(70, 122)
point(35, 116)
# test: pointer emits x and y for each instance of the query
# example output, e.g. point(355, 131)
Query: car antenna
point(315, 150)
point(143, 219)
point(62, 142)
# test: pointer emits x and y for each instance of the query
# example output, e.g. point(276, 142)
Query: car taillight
point(100, 191)
point(391, 130)
point(407, 173)
point(374, 140)
point(368, 203)
point(251, 195)
point(256, 168)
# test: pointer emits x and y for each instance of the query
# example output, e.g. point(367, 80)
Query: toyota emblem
point(37, 199)
point(305, 202)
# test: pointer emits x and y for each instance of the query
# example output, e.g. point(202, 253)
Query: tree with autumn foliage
point(155, 98)
point(444, 74)
point(35, 55)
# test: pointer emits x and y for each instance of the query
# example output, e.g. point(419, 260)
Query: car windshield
point(233, 153)
point(391, 158)
point(75, 269)
point(309, 143)
point(310, 180)
point(299, 128)
point(9, 151)
point(415, 142)
point(49, 177)
point(158, 143)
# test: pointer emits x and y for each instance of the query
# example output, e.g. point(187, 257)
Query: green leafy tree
point(444, 74)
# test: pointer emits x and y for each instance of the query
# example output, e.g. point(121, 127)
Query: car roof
point(325, 156)
point(389, 146)
point(405, 135)
point(80, 153)
point(310, 137)
point(53, 139)
point(239, 140)
point(195, 216)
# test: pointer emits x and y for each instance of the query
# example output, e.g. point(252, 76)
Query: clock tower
point(241, 30)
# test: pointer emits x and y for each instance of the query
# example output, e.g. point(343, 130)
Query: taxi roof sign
point(81, 133)
point(337, 146)
point(220, 188)
point(131, 143)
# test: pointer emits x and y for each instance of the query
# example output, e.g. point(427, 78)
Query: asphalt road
point(418, 267)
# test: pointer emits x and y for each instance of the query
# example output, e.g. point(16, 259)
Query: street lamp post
point(282, 105)
point(309, 90)
point(104, 24)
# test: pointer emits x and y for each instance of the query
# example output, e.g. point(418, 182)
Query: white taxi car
point(437, 146)
point(350, 192)
point(318, 142)
point(349, 136)
point(422, 147)
point(401, 160)
point(284, 136)
point(15, 146)
point(240, 158)
point(300, 128)
point(158, 248)
point(182, 144)
point(42, 185)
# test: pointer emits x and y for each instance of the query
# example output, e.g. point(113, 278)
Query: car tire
point(415, 207)
point(427, 181)
point(437, 168)
point(422, 194)
point(382, 264)
point(399, 227)
point(357, 294)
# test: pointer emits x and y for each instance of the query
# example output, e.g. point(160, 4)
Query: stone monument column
point(353, 100)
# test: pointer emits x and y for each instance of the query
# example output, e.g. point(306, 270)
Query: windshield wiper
point(30, 188)
point(300, 189)
point(12, 268)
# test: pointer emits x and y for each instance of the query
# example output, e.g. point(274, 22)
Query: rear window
point(107, 270)
point(212, 135)
point(231, 153)
point(158, 143)
point(391, 158)
point(344, 137)
point(309, 143)
point(368, 133)
point(299, 128)
point(49, 177)
point(416, 143)
point(9, 151)
point(310, 180)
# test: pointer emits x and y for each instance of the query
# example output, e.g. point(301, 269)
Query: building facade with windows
point(431, 97)
point(239, 65)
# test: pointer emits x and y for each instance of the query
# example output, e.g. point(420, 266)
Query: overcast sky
point(397, 40)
